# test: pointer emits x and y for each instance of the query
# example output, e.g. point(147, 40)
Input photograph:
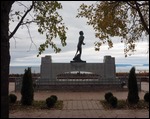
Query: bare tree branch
point(18, 25)
point(28, 22)
point(134, 7)
point(25, 7)
point(142, 4)
point(142, 19)
point(22, 4)
point(30, 38)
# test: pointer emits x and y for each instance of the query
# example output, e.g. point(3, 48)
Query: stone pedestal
point(105, 70)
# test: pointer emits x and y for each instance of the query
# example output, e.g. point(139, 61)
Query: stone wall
point(50, 70)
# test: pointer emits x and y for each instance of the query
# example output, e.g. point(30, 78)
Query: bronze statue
point(77, 56)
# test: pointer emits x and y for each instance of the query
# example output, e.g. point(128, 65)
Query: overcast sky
point(22, 55)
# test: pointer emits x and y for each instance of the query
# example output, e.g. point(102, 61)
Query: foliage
point(50, 101)
point(51, 25)
point(55, 97)
point(37, 105)
point(12, 98)
point(128, 20)
point(45, 15)
point(27, 91)
point(123, 104)
point(50, 22)
point(133, 96)
point(108, 95)
point(113, 101)
point(146, 97)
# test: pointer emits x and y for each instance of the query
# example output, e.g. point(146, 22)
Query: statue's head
point(81, 32)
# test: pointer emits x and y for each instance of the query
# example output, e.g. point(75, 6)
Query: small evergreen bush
point(108, 95)
point(133, 97)
point(12, 98)
point(50, 101)
point(146, 97)
point(113, 101)
point(27, 90)
point(55, 97)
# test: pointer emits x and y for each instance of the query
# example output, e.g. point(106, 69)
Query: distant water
point(21, 69)
point(127, 68)
point(119, 68)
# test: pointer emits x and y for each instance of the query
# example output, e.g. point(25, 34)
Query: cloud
point(20, 55)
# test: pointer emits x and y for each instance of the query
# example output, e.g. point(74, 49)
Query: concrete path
point(81, 105)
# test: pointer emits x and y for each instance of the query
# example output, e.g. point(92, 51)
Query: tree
point(5, 57)
point(47, 19)
point(49, 23)
point(27, 91)
point(128, 20)
point(133, 96)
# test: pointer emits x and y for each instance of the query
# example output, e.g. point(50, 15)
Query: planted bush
point(113, 101)
point(27, 91)
point(55, 97)
point(146, 97)
point(133, 96)
point(12, 98)
point(50, 101)
point(108, 95)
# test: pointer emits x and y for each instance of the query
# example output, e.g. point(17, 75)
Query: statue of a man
point(79, 47)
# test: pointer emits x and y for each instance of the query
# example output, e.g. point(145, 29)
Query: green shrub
point(12, 98)
point(146, 97)
point(113, 101)
point(50, 101)
point(27, 90)
point(108, 95)
point(55, 97)
point(133, 96)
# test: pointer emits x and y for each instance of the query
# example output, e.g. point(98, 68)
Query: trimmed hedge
point(12, 98)
point(146, 97)
point(133, 97)
point(113, 101)
point(55, 97)
point(50, 101)
point(27, 90)
point(108, 95)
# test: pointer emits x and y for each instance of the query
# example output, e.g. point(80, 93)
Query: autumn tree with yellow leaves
point(49, 22)
point(128, 20)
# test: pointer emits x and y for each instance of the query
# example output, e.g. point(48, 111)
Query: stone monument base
point(81, 61)
point(50, 70)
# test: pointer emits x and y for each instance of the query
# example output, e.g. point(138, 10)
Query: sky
point(23, 54)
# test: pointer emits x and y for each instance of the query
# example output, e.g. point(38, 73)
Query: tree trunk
point(5, 57)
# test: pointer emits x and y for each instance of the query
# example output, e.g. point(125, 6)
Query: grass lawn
point(35, 106)
point(122, 104)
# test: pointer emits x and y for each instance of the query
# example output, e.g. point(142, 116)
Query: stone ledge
point(78, 61)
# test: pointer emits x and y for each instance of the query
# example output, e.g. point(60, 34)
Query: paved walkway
point(81, 105)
